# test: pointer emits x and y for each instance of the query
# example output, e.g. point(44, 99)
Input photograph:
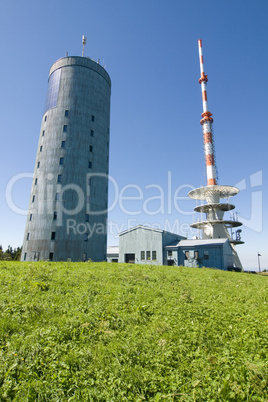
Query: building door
point(130, 258)
point(170, 262)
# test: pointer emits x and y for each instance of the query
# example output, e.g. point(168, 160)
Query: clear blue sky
point(150, 50)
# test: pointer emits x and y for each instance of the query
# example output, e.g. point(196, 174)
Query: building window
point(62, 144)
point(92, 117)
point(84, 256)
point(33, 198)
point(187, 255)
point(28, 235)
point(196, 255)
point(35, 182)
point(169, 253)
point(41, 148)
point(66, 113)
point(59, 178)
point(53, 235)
point(89, 181)
point(206, 255)
point(87, 218)
point(57, 196)
point(25, 255)
point(153, 255)
point(91, 148)
point(43, 133)
point(61, 160)
point(31, 216)
point(55, 215)
point(92, 133)
point(148, 255)
point(86, 237)
point(65, 128)
point(90, 164)
point(38, 165)
point(142, 255)
point(50, 256)
point(45, 118)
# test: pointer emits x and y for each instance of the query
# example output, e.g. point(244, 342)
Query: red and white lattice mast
point(206, 122)
point(214, 226)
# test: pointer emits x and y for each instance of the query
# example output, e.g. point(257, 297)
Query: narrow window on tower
point(66, 113)
point(45, 118)
point(25, 255)
point(38, 165)
point(62, 144)
point(31, 216)
point(59, 178)
point(41, 148)
point(87, 218)
point(89, 181)
point(55, 215)
point(53, 235)
point(90, 164)
point(92, 117)
point(65, 128)
point(50, 256)
point(43, 133)
point(33, 198)
point(28, 235)
point(35, 182)
point(91, 148)
point(61, 161)
point(92, 133)
point(86, 237)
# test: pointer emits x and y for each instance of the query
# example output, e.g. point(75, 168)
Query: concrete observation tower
point(214, 225)
point(67, 216)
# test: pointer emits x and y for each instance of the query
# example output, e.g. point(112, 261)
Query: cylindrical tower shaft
point(206, 123)
point(67, 216)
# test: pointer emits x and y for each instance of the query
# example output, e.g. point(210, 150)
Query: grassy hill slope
point(119, 332)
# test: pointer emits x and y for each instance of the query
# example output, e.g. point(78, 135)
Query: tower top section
point(206, 123)
point(81, 62)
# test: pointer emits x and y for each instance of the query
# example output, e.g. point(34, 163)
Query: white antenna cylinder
point(84, 41)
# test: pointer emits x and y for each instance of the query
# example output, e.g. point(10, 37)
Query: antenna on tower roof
point(84, 41)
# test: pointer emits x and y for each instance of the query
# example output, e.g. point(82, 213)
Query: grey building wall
point(68, 202)
point(144, 239)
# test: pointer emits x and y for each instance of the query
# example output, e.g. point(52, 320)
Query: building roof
point(151, 229)
point(194, 242)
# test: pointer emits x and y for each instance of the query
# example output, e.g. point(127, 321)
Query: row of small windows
point(53, 236)
point(55, 216)
point(66, 114)
point(148, 255)
point(51, 256)
point(59, 180)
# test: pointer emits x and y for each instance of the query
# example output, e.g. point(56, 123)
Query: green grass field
point(118, 332)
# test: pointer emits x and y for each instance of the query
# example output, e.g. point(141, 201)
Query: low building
point(112, 253)
point(145, 245)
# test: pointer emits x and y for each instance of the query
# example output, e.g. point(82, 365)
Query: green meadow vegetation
point(120, 332)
